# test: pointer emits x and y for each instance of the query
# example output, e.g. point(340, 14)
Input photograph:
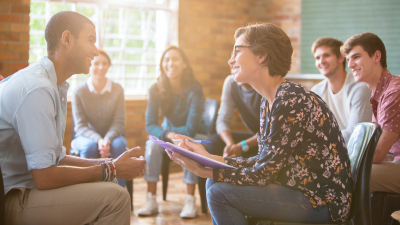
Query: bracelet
point(115, 170)
point(109, 171)
point(112, 171)
point(104, 172)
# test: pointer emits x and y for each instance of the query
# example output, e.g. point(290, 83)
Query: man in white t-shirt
point(348, 100)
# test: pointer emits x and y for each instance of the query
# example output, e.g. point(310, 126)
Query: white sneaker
point(150, 207)
point(189, 210)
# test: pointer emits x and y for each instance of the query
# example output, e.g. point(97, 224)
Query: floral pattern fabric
point(300, 147)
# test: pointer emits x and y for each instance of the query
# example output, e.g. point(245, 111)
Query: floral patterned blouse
point(300, 147)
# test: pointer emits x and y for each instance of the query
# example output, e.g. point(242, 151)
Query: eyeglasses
point(233, 54)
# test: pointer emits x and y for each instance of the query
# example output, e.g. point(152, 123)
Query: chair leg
point(129, 187)
point(203, 197)
point(165, 175)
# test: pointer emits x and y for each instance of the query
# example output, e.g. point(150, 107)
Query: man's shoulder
point(320, 87)
point(357, 88)
point(28, 79)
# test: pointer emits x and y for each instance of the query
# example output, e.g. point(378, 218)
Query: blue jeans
point(89, 149)
point(230, 203)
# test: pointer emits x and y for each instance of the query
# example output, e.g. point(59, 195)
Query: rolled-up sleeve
point(36, 125)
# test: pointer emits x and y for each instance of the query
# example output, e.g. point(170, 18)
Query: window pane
point(37, 40)
point(136, 30)
point(134, 43)
point(130, 35)
point(37, 24)
point(38, 8)
point(113, 43)
point(85, 10)
point(58, 7)
point(132, 57)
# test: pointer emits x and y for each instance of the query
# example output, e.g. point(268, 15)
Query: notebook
point(204, 161)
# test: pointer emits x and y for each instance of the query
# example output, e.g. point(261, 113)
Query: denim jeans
point(88, 149)
point(230, 203)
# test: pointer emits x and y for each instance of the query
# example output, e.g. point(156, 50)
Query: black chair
point(383, 204)
point(129, 183)
point(209, 116)
point(361, 148)
point(2, 201)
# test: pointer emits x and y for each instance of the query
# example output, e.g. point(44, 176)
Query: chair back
point(361, 149)
point(210, 114)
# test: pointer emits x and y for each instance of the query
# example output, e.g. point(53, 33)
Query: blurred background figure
point(98, 109)
point(180, 98)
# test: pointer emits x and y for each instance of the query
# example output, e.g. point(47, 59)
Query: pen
point(194, 141)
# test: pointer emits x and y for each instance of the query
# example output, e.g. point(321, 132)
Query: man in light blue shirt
point(43, 184)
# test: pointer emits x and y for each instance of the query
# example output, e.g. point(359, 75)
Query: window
point(134, 33)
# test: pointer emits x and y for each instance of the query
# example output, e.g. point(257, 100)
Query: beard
point(77, 60)
point(332, 72)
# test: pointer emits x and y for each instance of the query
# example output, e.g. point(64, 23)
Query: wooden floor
point(168, 210)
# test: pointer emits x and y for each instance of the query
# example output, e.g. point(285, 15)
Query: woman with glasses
point(179, 97)
point(98, 109)
point(302, 170)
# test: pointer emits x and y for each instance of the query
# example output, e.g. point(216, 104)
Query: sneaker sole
point(152, 213)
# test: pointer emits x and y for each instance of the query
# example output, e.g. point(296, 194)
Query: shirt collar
point(107, 87)
point(48, 65)
point(382, 85)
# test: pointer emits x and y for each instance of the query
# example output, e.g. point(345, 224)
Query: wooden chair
point(129, 183)
point(361, 148)
point(210, 117)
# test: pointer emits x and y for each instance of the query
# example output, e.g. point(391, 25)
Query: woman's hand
point(196, 148)
point(190, 165)
point(104, 148)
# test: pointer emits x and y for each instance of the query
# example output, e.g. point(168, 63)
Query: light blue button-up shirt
point(33, 112)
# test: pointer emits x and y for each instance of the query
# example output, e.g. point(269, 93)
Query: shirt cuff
point(41, 159)
point(62, 155)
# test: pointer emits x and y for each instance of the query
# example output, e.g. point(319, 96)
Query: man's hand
point(233, 151)
point(385, 143)
point(128, 166)
point(104, 148)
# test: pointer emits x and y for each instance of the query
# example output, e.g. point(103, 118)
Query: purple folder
point(204, 161)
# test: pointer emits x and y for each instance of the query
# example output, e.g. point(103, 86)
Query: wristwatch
point(245, 146)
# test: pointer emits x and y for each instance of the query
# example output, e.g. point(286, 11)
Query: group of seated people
point(294, 159)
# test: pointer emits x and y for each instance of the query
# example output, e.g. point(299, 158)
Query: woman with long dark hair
point(179, 97)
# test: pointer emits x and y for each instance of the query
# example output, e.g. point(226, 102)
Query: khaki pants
point(89, 203)
point(385, 177)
